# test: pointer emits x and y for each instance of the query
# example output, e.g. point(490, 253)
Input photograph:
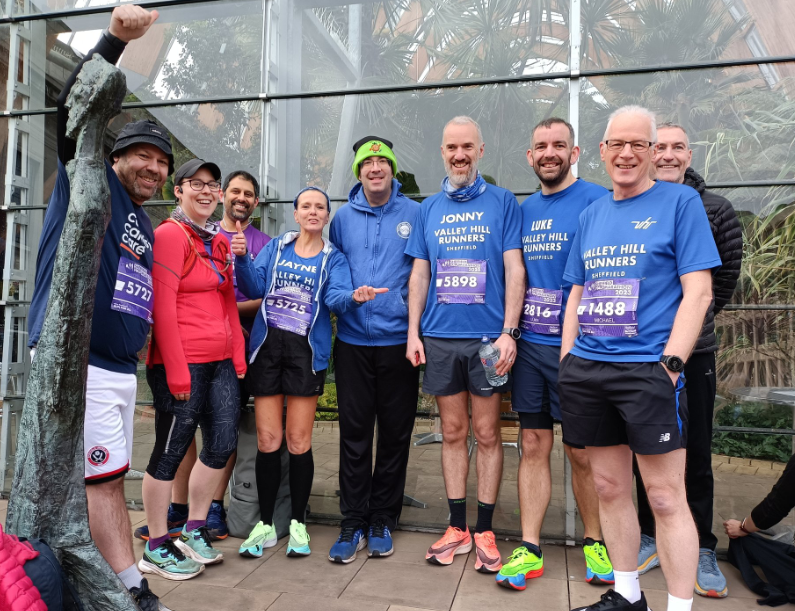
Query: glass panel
point(382, 43)
point(739, 128)
point(619, 33)
point(181, 56)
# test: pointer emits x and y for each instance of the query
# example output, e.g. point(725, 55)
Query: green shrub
point(753, 445)
point(327, 399)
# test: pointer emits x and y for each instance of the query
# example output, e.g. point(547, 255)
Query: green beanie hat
point(372, 146)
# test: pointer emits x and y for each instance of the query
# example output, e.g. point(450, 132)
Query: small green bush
point(752, 445)
point(327, 399)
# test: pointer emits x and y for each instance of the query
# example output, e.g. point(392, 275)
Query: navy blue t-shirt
point(464, 243)
point(549, 223)
point(629, 255)
point(117, 334)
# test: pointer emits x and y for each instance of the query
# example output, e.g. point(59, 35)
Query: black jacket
point(728, 235)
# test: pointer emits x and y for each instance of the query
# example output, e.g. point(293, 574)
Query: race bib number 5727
point(133, 292)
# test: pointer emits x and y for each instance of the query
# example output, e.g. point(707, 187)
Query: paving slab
point(479, 591)
point(195, 596)
point(297, 602)
point(655, 580)
point(428, 586)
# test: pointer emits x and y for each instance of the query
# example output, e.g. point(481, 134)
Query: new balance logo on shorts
point(665, 437)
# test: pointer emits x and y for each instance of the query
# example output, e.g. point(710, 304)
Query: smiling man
point(139, 164)
point(467, 283)
point(549, 224)
point(640, 268)
point(672, 164)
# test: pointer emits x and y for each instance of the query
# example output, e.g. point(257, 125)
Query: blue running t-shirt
point(549, 223)
point(464, 243)
point(290, 304)
point(629, 255)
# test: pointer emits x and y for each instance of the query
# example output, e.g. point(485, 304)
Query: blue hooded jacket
point(333, 292)
point(373, 241)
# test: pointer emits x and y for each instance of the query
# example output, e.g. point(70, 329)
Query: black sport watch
point(672, 363)
point(513, 332)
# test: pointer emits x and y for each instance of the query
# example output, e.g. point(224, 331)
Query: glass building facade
point(283, 88)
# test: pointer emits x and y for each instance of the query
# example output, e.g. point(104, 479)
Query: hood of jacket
point(695, 180)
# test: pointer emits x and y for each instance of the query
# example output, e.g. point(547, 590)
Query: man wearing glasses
point(139, 164)
point(640, 268)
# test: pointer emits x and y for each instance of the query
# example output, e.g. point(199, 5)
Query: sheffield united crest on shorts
point(404, 230)
point(98, 456)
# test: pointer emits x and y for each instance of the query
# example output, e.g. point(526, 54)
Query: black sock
point(458, 513)
point(220, 502)
point(268, 472)
point(532, 547)
point(180, 508)
point(302, 470)
point(485, 513)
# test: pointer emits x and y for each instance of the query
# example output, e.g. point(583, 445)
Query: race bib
point(609, 307)
point(541, 311)
point(290, 309)
point(460, 281)
point(133, 294)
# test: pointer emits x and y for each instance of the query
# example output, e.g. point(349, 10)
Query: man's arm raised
point(419, 282)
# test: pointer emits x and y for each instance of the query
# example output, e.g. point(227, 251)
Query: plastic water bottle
point(489, 355)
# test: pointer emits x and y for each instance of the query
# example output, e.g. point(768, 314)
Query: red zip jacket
point(195, 315)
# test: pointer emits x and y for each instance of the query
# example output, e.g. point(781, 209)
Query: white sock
point(679, 604)
point(131, 577)
point(628, 585)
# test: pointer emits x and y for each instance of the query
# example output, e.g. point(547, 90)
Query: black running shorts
point(608, 404)
point(283, 366)
point(453, 366)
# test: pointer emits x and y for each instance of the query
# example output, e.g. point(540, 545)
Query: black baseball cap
point(146, 132)
point(189, 168)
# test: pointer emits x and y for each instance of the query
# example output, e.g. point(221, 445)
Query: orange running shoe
point(455, 541)
point(488, 556)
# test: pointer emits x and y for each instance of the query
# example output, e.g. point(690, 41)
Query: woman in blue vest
point(300, 277)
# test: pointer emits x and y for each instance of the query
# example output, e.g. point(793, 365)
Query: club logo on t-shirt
point(404, 230)
point(643, 224)
point(98, 456)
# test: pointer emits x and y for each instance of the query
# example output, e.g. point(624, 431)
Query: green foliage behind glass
point(751, 445)
point(327, 399)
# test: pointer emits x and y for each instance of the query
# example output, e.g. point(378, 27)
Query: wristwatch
point(513, 332)
point(672, 363)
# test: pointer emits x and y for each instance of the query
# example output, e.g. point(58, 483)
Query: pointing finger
point(379, 291)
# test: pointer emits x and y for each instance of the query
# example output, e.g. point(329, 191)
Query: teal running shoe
point(261, 536)
point(299, 540)
point(196, 544)
point(169, 562)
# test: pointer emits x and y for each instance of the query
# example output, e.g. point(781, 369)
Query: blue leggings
point(214, 404)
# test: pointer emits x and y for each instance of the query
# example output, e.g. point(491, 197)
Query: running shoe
point(454, 541)
point(613, 601)
point(146, 599)
point(261, 537)
point(299, 540)
point(522, 565)
point(168, 561)
point(196, 544)
point(216, 522)
point(488, 558)
point(175, 523)
point(350, 541)
point(598, 568)
point(709, 579)
point(379, 540)
point(647, 556)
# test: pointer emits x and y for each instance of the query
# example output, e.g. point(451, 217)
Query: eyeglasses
point(198, 185)
point(379, 161)
point(637, 146)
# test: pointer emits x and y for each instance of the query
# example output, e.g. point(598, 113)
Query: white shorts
point(108, 431)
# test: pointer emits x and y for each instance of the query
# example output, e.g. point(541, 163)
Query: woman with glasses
point(195, 359)
point(301, 277)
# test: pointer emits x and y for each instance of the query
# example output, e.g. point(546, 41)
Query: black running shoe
point(613, 601)
point(146, 599)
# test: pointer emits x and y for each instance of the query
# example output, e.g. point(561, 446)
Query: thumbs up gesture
point(239, 246)
point(128, 22)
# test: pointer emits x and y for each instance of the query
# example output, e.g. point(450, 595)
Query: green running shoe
point(598, 568)
point(167, 561)
point(299, 540)
point(522, 565)
point(196, 544)
point(261, 536)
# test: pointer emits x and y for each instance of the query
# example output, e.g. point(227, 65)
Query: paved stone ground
point(402, 582)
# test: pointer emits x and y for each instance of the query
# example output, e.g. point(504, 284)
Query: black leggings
point(214, 403)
